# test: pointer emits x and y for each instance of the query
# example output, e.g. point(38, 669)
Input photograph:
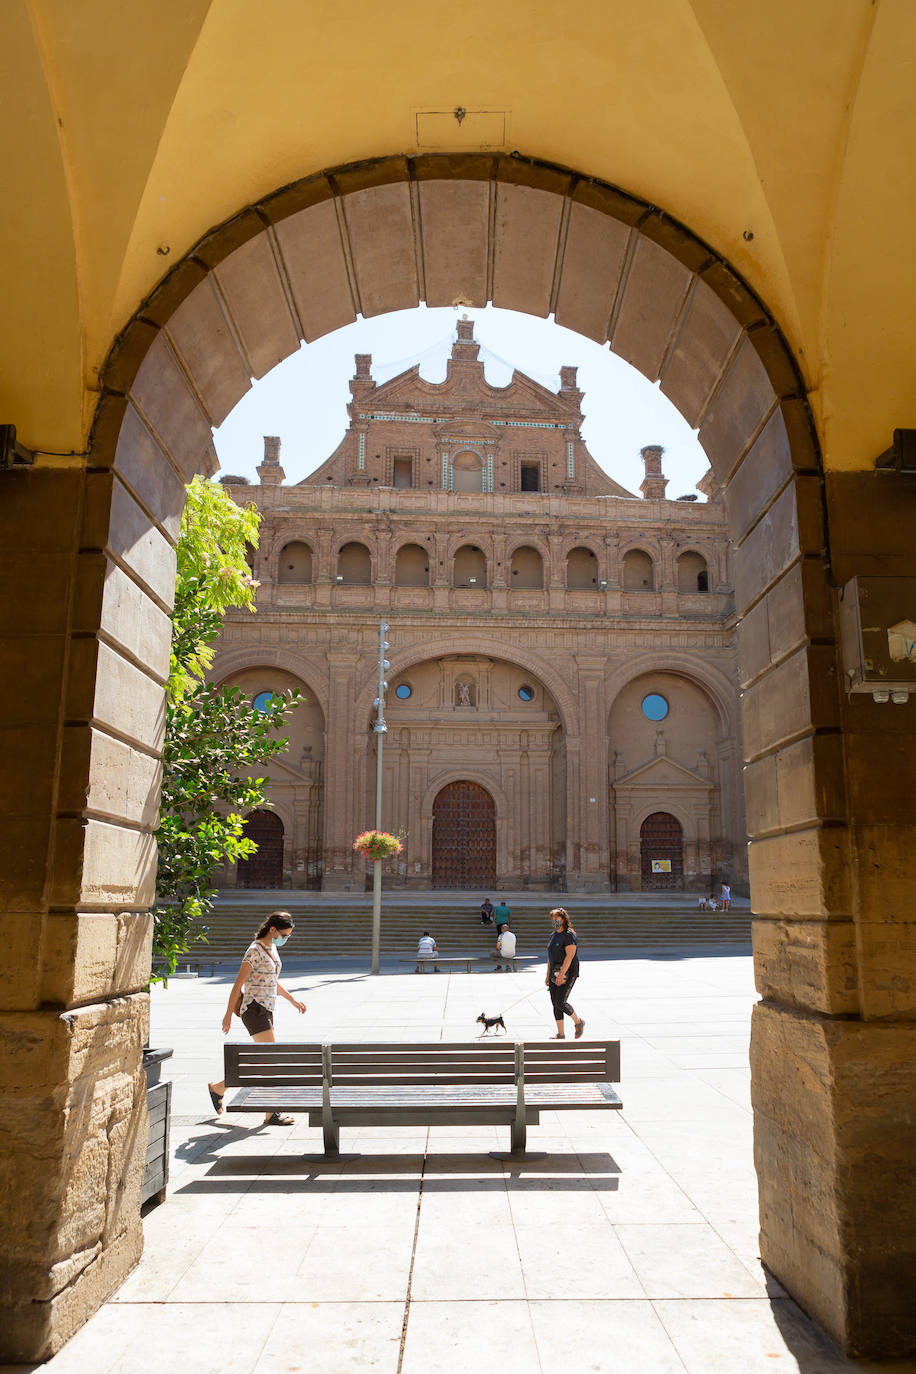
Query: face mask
point(281, 940)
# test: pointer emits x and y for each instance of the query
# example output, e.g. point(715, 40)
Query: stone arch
point(638, 569)
point(378, 237)
point(526, 568)
point(490, 648)
point(354, 564)
point(467, 470)
point(295, 564)
point(692, 570)
point(582, 568)
point(469, 561)
point(411, 565)
point(703, 675)
point(482, 779)
point(229, 662)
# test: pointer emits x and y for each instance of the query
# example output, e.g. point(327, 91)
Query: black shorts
point(256, 1018)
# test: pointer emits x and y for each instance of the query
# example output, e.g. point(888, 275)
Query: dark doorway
point(464, 837)
point(661, 843)
point(264, 869)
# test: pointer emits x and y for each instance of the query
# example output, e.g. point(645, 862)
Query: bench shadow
point(402, 1173)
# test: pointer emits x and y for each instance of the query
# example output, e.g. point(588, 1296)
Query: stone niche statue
point(463, 694)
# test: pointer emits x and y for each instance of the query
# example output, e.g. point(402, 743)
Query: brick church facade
point(562, 706)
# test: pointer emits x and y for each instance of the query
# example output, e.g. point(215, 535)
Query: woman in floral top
point(254, 996)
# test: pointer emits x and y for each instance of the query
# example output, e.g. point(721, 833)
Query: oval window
point(403, 690)
point(262, 701)
point(526, 693)
point(654, 707)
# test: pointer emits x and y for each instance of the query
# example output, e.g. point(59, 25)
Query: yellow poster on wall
point(661, 865)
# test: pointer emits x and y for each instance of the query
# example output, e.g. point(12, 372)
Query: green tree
point(214, 737)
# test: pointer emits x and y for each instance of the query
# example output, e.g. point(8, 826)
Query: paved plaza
point(632, 1247)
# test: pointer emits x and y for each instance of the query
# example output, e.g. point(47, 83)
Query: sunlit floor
point(632, 1247)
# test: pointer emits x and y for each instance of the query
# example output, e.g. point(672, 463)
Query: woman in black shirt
point(562, 971)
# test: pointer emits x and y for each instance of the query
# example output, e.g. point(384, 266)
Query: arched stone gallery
point(532, 237)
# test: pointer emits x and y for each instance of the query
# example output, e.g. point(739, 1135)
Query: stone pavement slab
point(630, 1249)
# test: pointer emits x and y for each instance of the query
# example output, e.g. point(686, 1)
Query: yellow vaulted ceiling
point(133, 127)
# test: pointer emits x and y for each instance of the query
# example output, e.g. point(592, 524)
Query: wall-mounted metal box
point(877, 626)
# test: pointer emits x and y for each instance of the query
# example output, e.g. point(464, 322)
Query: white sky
point(304, 399)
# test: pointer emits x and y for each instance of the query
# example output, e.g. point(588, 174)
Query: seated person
point(486, 912)
point(427, 948)
point(505, 946)
point(702, 903)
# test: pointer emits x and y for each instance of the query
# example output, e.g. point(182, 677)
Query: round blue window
point(654, 707)
point(403, 690)
point(526, 693)
point(262, 701)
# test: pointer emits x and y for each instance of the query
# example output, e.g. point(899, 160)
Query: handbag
point(236, 1009)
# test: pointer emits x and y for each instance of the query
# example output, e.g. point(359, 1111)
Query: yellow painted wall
point(133, 127)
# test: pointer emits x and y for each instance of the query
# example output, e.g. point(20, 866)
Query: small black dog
point(488, 1022)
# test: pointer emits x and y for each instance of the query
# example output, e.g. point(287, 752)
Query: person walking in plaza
point(562, 971)
point(254, 996)
point(502, 915)
point(486, 912)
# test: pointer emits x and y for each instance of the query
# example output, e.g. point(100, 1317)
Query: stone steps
point(345, 926)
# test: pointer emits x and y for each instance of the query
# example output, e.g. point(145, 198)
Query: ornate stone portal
point(543, 621)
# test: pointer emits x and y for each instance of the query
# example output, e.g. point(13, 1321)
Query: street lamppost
point(381, 729)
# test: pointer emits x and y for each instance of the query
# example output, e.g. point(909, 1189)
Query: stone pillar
point(84, 653)
point(343, 800)
point(830, 798)
point(592, 874)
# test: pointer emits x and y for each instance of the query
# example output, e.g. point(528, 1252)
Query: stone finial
point(270, 471)
point(654, 483)
point(568, 378)
point(363, 366)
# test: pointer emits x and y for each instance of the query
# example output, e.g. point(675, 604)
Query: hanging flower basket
point(377, 844)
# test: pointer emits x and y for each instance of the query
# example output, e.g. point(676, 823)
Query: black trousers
point(559, 996)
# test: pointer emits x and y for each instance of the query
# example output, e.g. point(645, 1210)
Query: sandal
point(278, 1119)
point(558, 1037)
point(216, 1099)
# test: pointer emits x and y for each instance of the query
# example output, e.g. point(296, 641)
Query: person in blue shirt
point(562, 971)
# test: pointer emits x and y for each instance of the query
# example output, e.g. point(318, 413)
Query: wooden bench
point(481, 1082)
point(424, 961)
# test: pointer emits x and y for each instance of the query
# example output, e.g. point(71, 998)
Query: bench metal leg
point(519, 1127)
point(329, 1127)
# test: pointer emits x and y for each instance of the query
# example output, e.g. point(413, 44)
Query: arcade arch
point(526, 570)
point(411, 567)
point(692, 572)
point(294, 564)
point(581, 569)
point(470, 567)
point(296, 781)
point(558, 243)
point(670, 750)
point(502, 723)
point(354, 565)
point(638, 571)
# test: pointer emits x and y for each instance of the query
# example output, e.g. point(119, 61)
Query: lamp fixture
point(12, 453)
point(901, 456)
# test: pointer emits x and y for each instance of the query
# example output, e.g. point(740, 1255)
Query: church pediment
point(663, 772)
point(468, 429)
